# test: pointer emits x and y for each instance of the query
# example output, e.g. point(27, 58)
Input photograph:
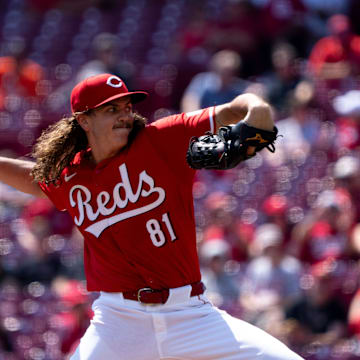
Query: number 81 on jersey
point(156, 233)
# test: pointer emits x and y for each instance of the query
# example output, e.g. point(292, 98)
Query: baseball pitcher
point(128, 187)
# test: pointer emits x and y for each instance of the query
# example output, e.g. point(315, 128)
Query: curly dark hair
point(56, 147)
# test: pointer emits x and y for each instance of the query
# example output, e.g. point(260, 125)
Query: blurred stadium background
point(278, 237)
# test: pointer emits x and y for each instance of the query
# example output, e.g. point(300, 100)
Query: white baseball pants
point(184, 327)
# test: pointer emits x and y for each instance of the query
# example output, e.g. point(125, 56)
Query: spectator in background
point(191, 46)
point(283, 77)
point(58, 221)
point(193, 38)
point(217, 85)
point(23, 88)
point(318, 11)
point(346, 173)
point(284, 19)
point(275, 209)
point(301, 129)
point(223, 223)
point(42, 262)
point(239, 29)
point(76, 312)
point(325, 231)
point(242, 236)
point(347, 108)
point(222, 285)
point(272, 278)
point(105, 59)
point(19, 76)
point(334, 60)
point(42, 237)
point(318, 318)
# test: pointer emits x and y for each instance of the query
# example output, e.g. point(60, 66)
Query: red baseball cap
point(100, 89)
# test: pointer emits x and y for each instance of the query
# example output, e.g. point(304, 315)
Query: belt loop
point(179, 295)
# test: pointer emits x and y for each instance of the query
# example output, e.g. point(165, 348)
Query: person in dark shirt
point(319, 315)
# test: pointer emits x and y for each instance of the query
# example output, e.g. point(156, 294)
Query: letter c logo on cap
point(114, 81)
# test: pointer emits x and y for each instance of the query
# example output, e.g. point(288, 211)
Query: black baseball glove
point(229, 147)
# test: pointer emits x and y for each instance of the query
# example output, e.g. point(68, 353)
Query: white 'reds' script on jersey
point(83, 197)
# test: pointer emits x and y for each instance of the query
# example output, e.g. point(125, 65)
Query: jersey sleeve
point(55, 194)
point(180, 128)
point(171, 135)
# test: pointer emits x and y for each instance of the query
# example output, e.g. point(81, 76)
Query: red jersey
point(330, 50)
point(135, 210)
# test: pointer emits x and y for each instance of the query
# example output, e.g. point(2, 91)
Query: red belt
point(152, 296)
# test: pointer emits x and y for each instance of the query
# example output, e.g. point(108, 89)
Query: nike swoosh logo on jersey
point(69, 177)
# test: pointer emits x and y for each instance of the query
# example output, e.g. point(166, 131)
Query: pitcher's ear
point(83, 121)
